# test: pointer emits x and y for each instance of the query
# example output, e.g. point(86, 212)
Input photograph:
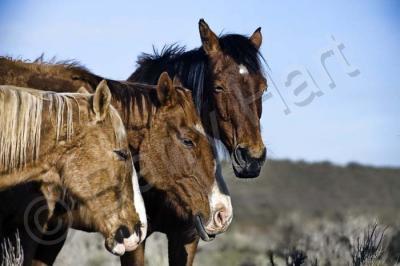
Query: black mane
point(191, 66)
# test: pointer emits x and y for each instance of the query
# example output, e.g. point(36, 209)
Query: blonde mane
point(21, 122)
point(118, 126)
point(21, 111)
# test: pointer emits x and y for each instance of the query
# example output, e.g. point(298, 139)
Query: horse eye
point(218, 89)
point(188, 143)
point(122, 155)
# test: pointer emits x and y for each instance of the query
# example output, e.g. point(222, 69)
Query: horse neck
point(64, 78)
point(161, 217)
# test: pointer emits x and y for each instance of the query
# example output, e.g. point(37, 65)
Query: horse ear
point(256, 38)
point(208, 38)
point(165, 90)
point(101, 100)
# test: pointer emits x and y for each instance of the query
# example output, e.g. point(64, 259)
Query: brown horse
point(54, 139)
point(182, 188)
point(226, 78)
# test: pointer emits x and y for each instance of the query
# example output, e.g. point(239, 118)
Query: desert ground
point(295, 213)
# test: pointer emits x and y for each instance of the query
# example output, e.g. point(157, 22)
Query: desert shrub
point(368, 248)
point(296, 258)
point(11, 252)
point(334, 244)
point(293, 258)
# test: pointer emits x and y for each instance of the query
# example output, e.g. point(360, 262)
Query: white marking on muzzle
point(119, 249)
point(139, 203)
point(132, 242)
point(220, 199)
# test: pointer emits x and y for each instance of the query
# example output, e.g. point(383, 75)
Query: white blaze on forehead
point(199, 127)
point(243, 70)
point(139, 203)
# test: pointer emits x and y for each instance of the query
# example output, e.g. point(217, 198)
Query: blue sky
point(357, 120)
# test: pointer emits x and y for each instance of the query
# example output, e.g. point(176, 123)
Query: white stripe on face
point(139, 203)
point(243, 70)
point(219, 199)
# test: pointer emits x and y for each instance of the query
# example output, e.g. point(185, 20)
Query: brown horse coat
point(54, 139)
point(165, 134)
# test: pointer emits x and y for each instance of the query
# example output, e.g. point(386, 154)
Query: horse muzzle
point(123, 241)
point(245, 165)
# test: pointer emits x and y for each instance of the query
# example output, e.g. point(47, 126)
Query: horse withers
point(76, 145)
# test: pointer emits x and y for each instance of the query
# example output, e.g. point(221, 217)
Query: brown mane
point(66, 63)
point(69, 74)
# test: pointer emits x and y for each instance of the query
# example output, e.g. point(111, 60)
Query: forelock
point(242, 51)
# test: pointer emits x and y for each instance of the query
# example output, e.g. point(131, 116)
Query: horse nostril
point(241, 155)
point(221, 217)
point(122, 232)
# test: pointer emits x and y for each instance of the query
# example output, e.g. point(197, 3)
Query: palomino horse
point(226, 78)
point(174, 157)
point(54, 139)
